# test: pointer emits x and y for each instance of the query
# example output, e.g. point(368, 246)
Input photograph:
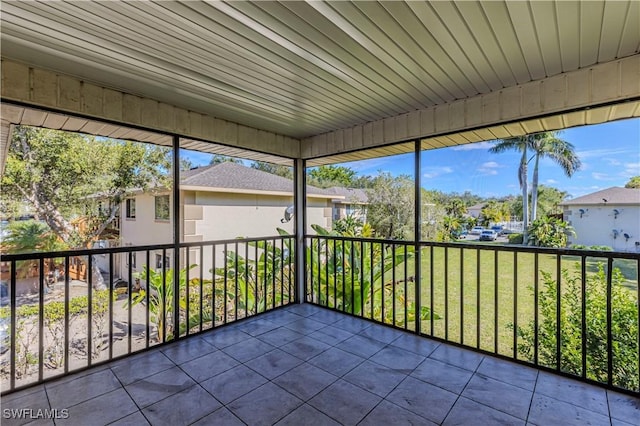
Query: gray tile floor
point(305, 365)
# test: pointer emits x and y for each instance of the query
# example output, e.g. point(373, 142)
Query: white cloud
point(612, 161)
point(472, 146)
point(551, 181)
point(601, 176)
point(432, 172)
point(600, 153)
point(489, 168)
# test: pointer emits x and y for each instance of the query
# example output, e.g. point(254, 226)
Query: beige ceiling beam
point(47, 89)
point(611, 82)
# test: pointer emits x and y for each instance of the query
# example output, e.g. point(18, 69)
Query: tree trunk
point(534, 190)
point(525, 195)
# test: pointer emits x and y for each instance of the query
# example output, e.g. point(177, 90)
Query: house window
point(159, 261)
point(162, 207)
point(133, 260)
point(131, 208)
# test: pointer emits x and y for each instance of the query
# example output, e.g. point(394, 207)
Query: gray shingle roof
point(236, 176)
point(351, 195)
point(613, 195)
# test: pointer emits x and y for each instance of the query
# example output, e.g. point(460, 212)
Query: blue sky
point(610, 155)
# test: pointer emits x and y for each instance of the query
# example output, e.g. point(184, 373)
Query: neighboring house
point(349, 202)
point(218, 202)
point(610, 217)
point(475, 210)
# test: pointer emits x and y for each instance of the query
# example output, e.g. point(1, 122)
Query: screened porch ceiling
point(305, 68)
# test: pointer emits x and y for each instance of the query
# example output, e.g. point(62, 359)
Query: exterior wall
point(211, 216)
point(597, 224)
point(591, 86)
point(228, 215)
point(143, 230)
point(40, 87)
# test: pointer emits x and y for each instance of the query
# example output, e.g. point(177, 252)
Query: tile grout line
point(462, 391)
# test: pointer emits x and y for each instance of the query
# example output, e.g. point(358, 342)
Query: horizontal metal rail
point(572, 312)
point(69, 310)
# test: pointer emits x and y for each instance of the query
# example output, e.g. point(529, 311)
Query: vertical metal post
point(478, 280)
point(67, 296)
point(148, 290)
point(201, 261)
point(300, 227)
point(176, 237)
point(446, 293)
point(90, 311)
point(583, 300)
point(559, 313)
point(461, 296)
point(224, 292)
point(496, 336)
point(418, 233)
point(110, 305)
point(609, 325)
point(14, 319)
point(515, 305)
point(536, 318)
point(129, 305)
point(187, 277)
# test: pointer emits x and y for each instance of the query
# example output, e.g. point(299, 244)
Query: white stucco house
point(610, 217)
point(221, 202)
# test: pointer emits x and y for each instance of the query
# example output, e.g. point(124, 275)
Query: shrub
point(549, 232)
point(624, 325)
point(515, 238)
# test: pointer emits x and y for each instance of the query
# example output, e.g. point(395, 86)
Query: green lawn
point(458, 321)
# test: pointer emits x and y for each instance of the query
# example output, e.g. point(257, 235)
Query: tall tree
point(634, 182)
point(217, 159)
point(391, 206)
point(63, 175)
point(274, 169)
point(541, 145)
point(561, 152)
point(327, 176)
point(522, 144)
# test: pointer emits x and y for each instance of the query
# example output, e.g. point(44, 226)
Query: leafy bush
point(595, 248)
point(624, 325)
point(515, 238)
point(549, 232)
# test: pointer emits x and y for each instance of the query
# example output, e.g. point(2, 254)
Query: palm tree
point(560, 152)
point(543, 145)
point(522, 144)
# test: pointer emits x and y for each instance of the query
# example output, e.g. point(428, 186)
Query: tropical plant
point(494, 212)
point(255, 285)
point(160, 289)
point(542, 145)
point(549, 232)
point(349, 225)
point(357, 278)
point(624, 328)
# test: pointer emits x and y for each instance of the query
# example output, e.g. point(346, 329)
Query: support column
point(418, 230)
point(176, 237)
point(300, 227)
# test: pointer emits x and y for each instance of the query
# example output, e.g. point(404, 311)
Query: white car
point(476, 230)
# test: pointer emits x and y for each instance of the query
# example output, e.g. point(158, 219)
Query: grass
point(475, 303)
